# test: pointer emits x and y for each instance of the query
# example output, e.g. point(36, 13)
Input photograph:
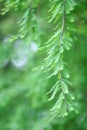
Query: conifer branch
point(59, 67)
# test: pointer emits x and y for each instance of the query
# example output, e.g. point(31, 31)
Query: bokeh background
point(23, 98)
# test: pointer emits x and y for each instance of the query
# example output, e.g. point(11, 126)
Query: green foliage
point(25, 95)
point(55, 47)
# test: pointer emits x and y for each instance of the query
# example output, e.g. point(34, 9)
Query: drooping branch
point(57, 44)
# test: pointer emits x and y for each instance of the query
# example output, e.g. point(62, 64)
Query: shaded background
point(23, 98)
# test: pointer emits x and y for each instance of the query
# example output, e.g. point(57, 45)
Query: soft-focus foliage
point(25, 95)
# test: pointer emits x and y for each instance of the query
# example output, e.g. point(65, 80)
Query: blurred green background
point(23, 98)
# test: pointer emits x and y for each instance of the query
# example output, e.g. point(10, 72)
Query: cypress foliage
point(25, 95)
point(59, 13)
point(61, 40)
